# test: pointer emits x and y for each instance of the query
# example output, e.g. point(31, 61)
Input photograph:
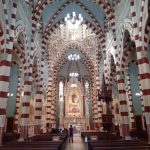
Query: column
point(5, 62)
point(99, 108)
point(123, 104)
point(142, 103)
point(87, 115)
point(130, 103)
point(38, 111)
point(52, 119)
point(143, 63)
point(49, 101)
point(95, 110)
point(25, 108)
point(5, 66)
point(61, 113)
point(144, 73)
point(18, 98)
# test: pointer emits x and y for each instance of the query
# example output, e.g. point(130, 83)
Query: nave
point(78, 143)
point(84, 63)
point(82, 141)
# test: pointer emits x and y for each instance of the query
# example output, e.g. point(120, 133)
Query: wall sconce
point(22, 94)
point(139, 94)
point(10, 94)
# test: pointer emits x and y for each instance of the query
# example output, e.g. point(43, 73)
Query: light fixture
point(73, 74)
point(73, 85)
point(22, 94)
point(73, 57)
point(10, 94)
point(73, 21)
point(138, 94)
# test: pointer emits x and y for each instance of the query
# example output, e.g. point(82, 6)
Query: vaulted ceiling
point(97, 14)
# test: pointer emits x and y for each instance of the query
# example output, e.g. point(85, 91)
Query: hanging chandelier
point(73, 20)
point(73, 57)
point(73, 74)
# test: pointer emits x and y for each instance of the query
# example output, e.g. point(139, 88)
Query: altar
point(78, 124)
point(74, 106)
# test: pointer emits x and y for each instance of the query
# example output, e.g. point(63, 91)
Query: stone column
point(130, 103)
point(61, 114)
point(99, 107)
point(6, 60)
point(123, 104)
point(24, 120)
point(49, 101)
point(144, 73)
point(18, 98)
point(143, 62)
point(38, 111)
point(87, 115)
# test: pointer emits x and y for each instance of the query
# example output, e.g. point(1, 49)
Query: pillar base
point(23, 133)
point(96, 126)
point(148, 133)
point(1, 136)
point(37, 129)
point(128, 138)
point(125, 130)
point(21, 140)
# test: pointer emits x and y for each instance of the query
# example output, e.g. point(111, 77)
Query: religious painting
point(74, 102)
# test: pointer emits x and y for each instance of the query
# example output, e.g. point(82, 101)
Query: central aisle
point(77, 143)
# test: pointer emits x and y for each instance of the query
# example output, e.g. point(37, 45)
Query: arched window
point(61, 91)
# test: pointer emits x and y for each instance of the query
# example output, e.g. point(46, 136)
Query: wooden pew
point(39, 142)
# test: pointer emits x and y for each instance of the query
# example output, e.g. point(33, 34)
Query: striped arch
point(19, 47)
point(41, 5)
point(91, 71)
point(47, 34)
point(51, 27)
point(77, 45)
point(147, 34)
point(2, 40)
point(115, 3)
point(55, 68)
point(51, 20)
point(108, 11)
point(138, 27)
point(147, 30)
point(121, 55)
point(80, 47)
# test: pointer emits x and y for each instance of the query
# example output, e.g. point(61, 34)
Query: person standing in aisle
point(70, 134)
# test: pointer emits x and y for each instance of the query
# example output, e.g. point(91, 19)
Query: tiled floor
point(77, 143)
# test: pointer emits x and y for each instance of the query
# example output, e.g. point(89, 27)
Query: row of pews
point(46, 141)
point(106, 141)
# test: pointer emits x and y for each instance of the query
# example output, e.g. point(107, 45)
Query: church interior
point(84, 63)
